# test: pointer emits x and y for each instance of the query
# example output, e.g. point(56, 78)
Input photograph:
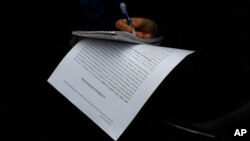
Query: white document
point(111, 81)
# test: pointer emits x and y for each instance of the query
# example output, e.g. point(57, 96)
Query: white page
point(110, 81)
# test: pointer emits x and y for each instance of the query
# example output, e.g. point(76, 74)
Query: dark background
point(35, 37)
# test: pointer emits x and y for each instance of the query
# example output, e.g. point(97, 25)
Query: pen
point(125, 12)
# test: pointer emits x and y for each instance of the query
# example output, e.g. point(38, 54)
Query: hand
point(145, 28)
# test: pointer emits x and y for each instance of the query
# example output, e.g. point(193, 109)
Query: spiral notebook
point(117, 36)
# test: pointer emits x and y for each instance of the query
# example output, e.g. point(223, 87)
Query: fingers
point(148, 36)
point(143, 27)
point(122, 25)
point(144, 35)
point(139, 34)
point(138, 22)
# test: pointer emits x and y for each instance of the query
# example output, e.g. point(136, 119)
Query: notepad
point(117, 36)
